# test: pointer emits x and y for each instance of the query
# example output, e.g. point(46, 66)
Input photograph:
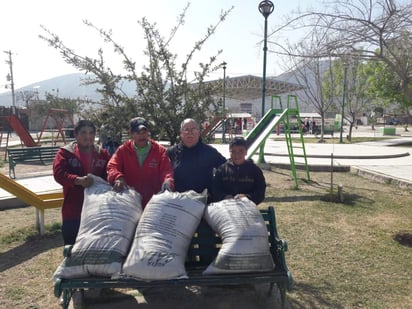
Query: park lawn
point(341, 255)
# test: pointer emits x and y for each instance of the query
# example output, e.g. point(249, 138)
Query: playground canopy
point(249, 87)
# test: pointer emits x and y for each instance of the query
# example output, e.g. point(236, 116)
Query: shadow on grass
point(110, 299)
point(349, 199)
point(308, 296)
point(296, 198)
point(199, 297)
point(29, 249)
point(356, 200)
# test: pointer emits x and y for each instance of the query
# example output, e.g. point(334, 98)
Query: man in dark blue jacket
point(193, 160)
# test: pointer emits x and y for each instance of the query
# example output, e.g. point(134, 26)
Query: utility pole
point(223, 64)
point(10, 77)
point(345, 72)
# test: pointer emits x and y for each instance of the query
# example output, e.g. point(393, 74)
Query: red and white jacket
point(146, 179)
point(67, 166)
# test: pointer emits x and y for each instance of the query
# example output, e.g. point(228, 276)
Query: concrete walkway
point(381, 159)
point(387, 160)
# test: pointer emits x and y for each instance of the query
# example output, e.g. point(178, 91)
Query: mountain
point(70, 86)
point(305, 75)
point(64, 86)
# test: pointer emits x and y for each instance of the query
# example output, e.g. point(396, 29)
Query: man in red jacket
point(71, 167)
point(140, 163)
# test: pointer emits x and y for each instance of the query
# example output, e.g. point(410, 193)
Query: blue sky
point(33, 60)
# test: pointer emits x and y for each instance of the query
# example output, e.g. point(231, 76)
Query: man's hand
point(119, 185)
point(166, 186)
point(239, 196)
point(84, 181)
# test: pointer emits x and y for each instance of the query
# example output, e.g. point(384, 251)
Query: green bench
point(30, 155)
point(203, 250)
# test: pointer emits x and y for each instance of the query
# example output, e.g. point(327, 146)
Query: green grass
point(28, 233)
point(343, 255)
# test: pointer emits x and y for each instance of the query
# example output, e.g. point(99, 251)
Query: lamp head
point(266, 8)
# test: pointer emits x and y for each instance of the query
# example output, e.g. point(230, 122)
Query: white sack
point(107, 226)
point(245, 245)
point(163, 236)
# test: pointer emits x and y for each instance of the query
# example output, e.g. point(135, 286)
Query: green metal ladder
point(292, 111)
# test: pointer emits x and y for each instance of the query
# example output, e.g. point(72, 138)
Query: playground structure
point(212, 127)
point(256, 138)
point(18, 127)
point(59, 116)
point(232, 124)
point(288, 118)
point(4, 135)
point(40, 201)
point(12, 122)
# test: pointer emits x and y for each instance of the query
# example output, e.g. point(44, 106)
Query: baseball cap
point(138, 123)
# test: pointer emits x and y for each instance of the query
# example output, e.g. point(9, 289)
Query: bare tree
point(308, 69)
point(26, 96)
point(357, 27)
point(351, 84)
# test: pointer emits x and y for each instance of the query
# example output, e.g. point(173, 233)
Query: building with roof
point(243, 94)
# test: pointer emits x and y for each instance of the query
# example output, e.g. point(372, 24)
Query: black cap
point(138, 123)
point(238, 141)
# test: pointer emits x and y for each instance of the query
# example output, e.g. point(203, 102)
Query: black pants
point(70, 228)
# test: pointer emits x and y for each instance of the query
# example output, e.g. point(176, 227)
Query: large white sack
point(245, 245)
point(163, 236)
point(107, 226)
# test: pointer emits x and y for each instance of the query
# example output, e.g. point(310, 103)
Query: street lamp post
point(265, 8)
point(223, 64)
point(345, 72)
